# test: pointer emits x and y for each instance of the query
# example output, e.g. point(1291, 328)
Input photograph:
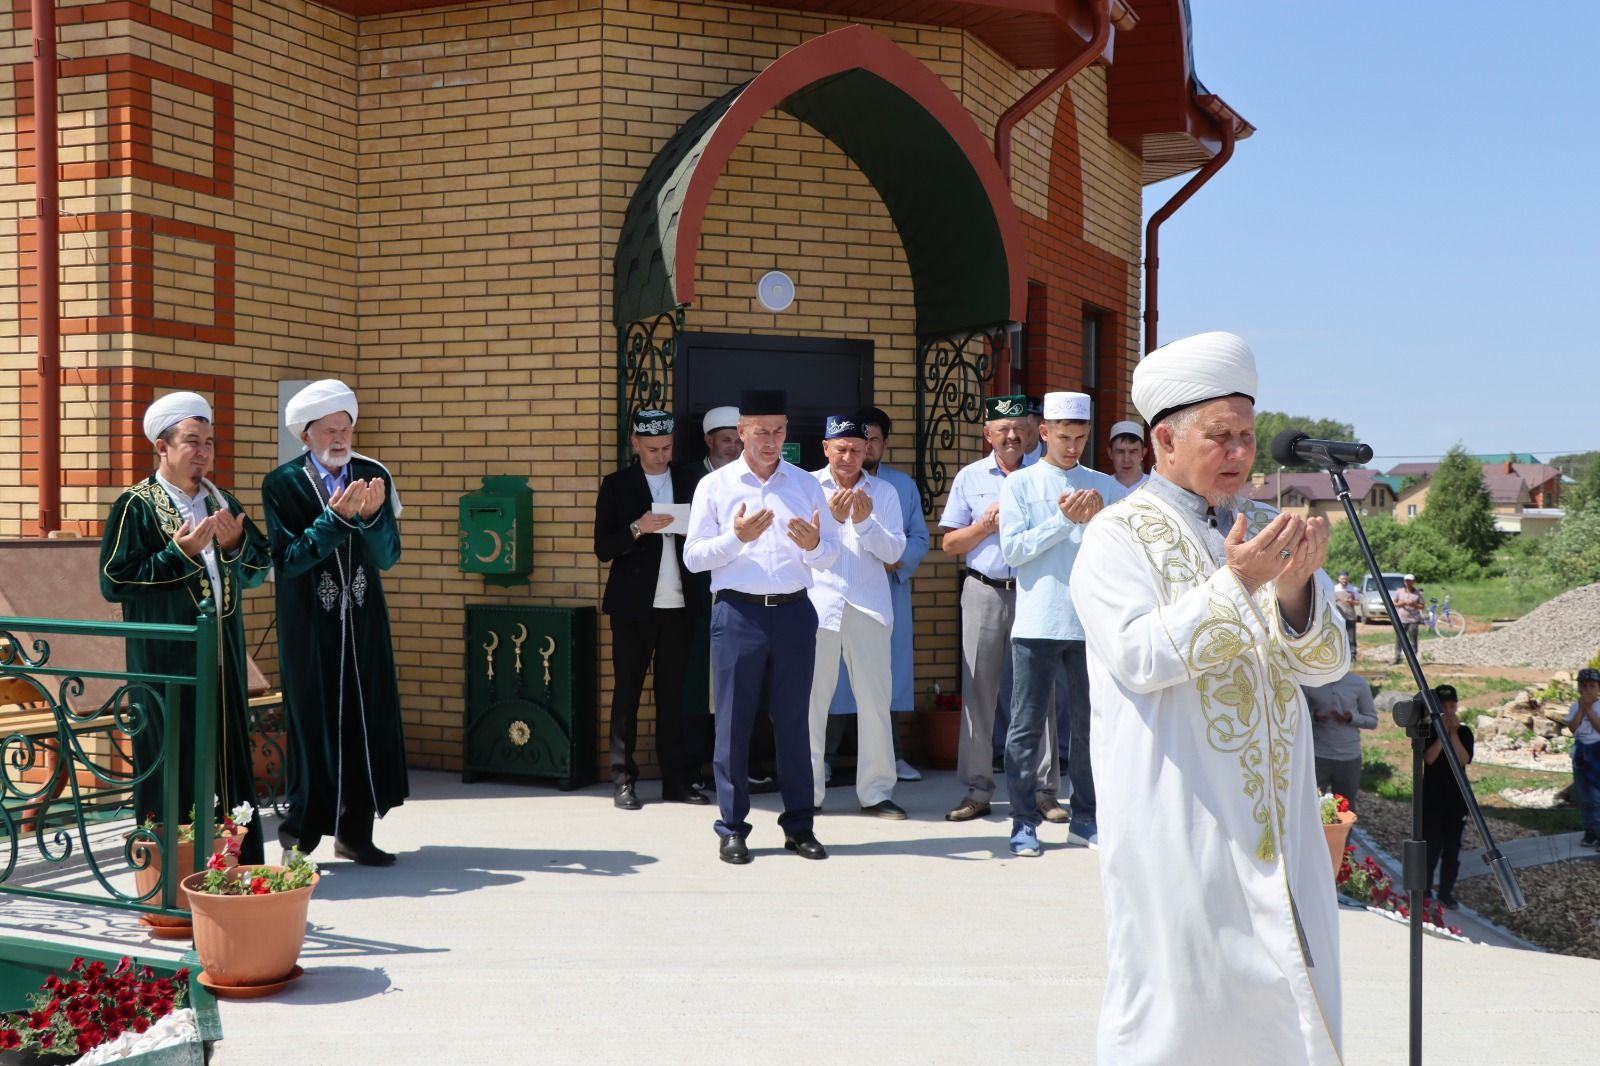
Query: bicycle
point(1442, 621)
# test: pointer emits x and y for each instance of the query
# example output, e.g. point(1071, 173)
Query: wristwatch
point(633, 527)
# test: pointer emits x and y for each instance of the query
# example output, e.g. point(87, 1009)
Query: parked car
point(1369, 606)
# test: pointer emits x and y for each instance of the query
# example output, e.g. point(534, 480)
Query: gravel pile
point(1561, 634)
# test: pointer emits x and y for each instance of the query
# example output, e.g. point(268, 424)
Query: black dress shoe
point(690, 795)
point(886, 809)
point(363, 854)
point(805, 845)
point(625, 798)
point(732, 850)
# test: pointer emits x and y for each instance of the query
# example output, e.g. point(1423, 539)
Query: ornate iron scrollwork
point(952, 376)
point(646, 351)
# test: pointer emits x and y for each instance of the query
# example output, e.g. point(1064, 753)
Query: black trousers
point(662, 638)
point(1442, 832)
point(356, 810)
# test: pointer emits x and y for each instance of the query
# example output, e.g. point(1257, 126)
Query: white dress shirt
point(194, 509)
point(772, 564)
point(669, 584)
point(857, 576)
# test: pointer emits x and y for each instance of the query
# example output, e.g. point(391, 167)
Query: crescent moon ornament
point(498, 548)
point(545, 653)
point(516, 642)
point(488, 653)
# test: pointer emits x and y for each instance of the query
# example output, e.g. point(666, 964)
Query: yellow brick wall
point(427, 205)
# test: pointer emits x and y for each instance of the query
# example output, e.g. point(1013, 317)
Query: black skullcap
point(763, 402)
point(874, 416)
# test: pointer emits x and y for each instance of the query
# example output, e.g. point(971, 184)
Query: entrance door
point(822, 376)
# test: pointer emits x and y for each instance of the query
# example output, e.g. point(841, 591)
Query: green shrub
point(1572, 552)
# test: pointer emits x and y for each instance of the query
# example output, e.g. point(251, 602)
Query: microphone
point(1293, 447)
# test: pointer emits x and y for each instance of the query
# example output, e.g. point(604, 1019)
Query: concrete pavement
point(524, 925)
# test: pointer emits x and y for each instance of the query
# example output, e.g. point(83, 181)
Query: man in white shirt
point(652, 619)
point(1345, 601)
point(1127, 455)
point(761, 526)
point(855, 614)
point(1340, 710)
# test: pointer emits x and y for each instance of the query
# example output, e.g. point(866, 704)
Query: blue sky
point(1409, 238)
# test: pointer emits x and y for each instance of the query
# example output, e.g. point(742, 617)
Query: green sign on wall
point(791, 452)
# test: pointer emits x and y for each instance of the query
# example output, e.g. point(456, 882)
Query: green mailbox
point(496, 538)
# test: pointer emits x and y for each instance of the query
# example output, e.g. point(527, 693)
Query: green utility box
point(496, 538)
point(531, 678)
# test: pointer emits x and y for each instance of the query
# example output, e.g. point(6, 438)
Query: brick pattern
point(426, 205)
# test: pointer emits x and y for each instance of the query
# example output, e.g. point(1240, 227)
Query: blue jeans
point(1035, 666)
point(1586, 783)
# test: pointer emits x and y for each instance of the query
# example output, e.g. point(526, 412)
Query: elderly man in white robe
point(1204, 614)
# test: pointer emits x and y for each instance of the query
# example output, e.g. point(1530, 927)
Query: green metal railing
point(79, 780)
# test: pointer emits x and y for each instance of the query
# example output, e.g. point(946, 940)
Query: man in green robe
point(172, 541)
point(332, 522)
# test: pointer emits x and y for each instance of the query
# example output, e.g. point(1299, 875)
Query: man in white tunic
point(1204, 613)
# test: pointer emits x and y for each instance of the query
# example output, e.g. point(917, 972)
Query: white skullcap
point(1127, 429)
point(1204, 367)
point(720, 418)
point(1066, 407)
point(318, 400)
point(172, 409)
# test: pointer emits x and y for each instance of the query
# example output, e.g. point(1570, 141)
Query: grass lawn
point(1496, 597)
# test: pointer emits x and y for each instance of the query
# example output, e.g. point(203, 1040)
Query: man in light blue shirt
point(1043, 512)
point(971, 523)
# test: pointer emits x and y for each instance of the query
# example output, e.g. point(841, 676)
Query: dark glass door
point(822, 376)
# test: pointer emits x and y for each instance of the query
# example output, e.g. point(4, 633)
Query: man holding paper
point(649, 597)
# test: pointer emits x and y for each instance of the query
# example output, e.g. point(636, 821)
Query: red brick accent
point(131, 390)
point(219, 34)
point(131, 237)
point(130, 123)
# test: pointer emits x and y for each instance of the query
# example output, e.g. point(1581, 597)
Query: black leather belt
point(774, 600)
point(1008, 584)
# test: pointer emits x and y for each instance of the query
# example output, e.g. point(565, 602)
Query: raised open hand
point(347, 501)
point(193, 539)
point(806, 534)
point(748, 527)
point(1082, 505)
point(861, 506)
point(229, 529)
point(377, 490)
point(1309, 554)
point(1264, 556)
point(839, 502)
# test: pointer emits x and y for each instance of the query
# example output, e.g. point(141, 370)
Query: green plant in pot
point(249, 921)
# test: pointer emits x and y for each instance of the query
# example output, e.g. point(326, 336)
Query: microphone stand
point(1414, 852)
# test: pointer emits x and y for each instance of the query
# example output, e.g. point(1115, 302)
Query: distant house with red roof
point(1312, 494)
point(1524, 493)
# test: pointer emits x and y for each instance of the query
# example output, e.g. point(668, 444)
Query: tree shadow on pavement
point(445, 870)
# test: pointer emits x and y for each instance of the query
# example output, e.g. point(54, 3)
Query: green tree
point(1585, 495)
point(1573, 465)
point(1270, 423)
point(1386, 536)
point(1573, 550)
point(1459, 509)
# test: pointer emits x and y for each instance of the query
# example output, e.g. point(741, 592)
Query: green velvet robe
point(143, 570)
point(330, 601)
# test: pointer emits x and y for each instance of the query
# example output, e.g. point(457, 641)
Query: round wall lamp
point(775, 290)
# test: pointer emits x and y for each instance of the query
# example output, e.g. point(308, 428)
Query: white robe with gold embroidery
point(1221, 921)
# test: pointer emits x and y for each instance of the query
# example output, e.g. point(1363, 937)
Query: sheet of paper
point(679, 513)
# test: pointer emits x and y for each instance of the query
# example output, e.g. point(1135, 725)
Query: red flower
point(180, 977)
point(38, 1020)
point(10, 1038)
point(140, 1023)
point(216, 862)
point(260, 887)
point(47, 1040)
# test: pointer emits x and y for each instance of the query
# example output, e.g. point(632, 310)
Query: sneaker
point(1084, 834)
point(1589, 840)
point(1025, 841)
point(904, 771)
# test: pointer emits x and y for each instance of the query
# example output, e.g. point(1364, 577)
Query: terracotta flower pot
point(941, 736)
point(248, 940)
point(148, 877)
point(1338, 833)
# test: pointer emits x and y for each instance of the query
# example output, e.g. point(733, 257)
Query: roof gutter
point(47, 210)
point(1226, 122)
point(1105, 15)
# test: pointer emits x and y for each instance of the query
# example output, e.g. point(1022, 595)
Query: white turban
point(318, 400)
point(1066, 407)
point(1193, 370)
point(172, 409)
point(720, 418)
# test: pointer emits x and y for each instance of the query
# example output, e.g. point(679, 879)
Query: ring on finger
point(1285, 554)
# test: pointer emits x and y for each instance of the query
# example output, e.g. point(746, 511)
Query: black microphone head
point(1283, 446)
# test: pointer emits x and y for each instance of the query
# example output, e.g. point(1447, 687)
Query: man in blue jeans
point(1583, 718)
point(1043, 511)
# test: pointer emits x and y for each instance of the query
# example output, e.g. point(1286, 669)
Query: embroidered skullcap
point(1066, 407)
point(318, 400)
point(1127, 429)
point(720, 418)
point(1588, 673)
point(172, 409)
point(650, 422)
point(755, 402)
point(1206, 366)
point(838, 426)
point(1004, 407)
